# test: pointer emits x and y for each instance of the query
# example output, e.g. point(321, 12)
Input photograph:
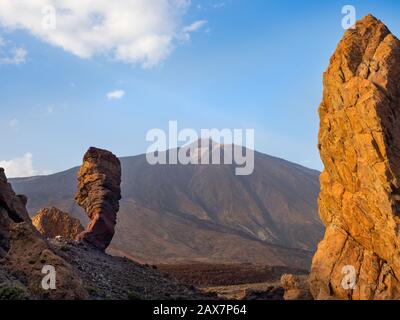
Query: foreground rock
point(25, 253)
point(52, 222)
point(82, 272)
point(99, 192)
point(270, 293)
point(296, 287)
point(359, 142)
point(117, 278)
point(28, 254)
point(12, 210)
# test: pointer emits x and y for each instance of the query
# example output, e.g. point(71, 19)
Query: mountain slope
point(173, 213)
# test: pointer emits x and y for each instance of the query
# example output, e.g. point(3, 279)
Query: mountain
point(205, 213)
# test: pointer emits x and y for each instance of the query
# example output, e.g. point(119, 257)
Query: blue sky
point(245, 64)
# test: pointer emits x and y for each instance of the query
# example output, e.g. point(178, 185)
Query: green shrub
point(134, 296)
point(65, 248)
point(12, 293)
point(92, 291)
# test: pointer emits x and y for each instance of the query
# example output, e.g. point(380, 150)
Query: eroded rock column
point(99, 192)
point(359, 143)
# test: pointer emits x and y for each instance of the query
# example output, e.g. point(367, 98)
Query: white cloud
point(219, 5)
point(117, 94)
point(13, 123)
point(195, 26)
point(49, 110)
point(135, 31)
point(10, 54)
point(20, 167)
point(18, 57)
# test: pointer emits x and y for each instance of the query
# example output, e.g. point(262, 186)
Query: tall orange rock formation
point(99, 192)
point(359, 143)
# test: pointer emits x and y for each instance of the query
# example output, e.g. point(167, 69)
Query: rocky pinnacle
point(359, 143)
point(99, 192)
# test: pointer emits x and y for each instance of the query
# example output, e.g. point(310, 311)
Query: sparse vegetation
point(12, 293)
point(92, 291)
point(134, 296)
point(65, 248)
point(207, 274)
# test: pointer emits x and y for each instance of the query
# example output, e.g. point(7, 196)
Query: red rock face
point(12, 210)
point(14, 204)
point(25, 252)
point(99, 192)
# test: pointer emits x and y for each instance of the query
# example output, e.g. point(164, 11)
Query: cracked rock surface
point(52, 222)
point(359, 143)
point(99, 192)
